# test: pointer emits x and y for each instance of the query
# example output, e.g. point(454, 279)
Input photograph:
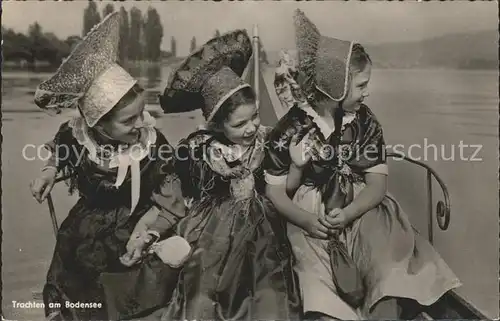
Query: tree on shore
point(153, 35)
point(109, 8)
point(193, 44)
point(91, 17)
point(262, 53)
point(124, 35)
point(135, 33)
point(173, 46)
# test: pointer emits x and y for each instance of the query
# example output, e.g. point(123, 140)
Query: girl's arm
point(294, 214)
point(60, 148)
point(283, 178)
point(169, 204)
point(299, 157)
point(376, 176)
point(166, 212)
point(369, 197)
point(293, 180)
point(51, 163)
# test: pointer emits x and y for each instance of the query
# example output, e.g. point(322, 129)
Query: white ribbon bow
point(125, 161)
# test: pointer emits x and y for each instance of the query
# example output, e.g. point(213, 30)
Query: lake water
point(422, 108)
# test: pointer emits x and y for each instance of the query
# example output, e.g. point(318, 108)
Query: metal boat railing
point(443, 208)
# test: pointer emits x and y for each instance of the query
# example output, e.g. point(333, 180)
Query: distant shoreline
point(40, 66)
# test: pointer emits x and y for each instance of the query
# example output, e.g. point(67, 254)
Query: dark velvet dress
point(243, 271)
point(94, 234)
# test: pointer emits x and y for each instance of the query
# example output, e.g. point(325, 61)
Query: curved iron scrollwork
point(443, 208)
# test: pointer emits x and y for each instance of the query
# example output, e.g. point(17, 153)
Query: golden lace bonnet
point(209, 76)
point(323, 61)
point(89, 78)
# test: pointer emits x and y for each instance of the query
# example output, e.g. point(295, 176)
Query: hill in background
point(478, 50)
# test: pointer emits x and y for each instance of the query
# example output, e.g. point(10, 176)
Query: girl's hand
point(316, 229)
point(338, 219)
point(41, 186)
point(135, 248)
point(55, 316)
point(299, 150)
point(331, 228)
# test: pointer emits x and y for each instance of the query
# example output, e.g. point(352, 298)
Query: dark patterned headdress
point(209, 76)
point(323, 61)
point(89, 78)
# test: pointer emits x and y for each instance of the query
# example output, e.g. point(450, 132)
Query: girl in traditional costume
point(96, 149)
point(240, 268)
point(357, 253)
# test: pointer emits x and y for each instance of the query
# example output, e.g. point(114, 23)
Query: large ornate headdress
point(209, 76)
point(323, 61)
point(89, 78)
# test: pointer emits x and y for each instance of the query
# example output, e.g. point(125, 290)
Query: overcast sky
point(366, 22)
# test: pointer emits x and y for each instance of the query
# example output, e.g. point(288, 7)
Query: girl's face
point(358, 89)
point(242, 124)
point(126, 118)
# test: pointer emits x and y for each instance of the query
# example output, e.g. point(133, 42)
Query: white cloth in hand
point(173, 251)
